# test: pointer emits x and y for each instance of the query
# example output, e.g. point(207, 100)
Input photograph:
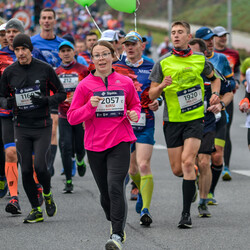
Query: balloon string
point(93, 20)
point(135, 22)
point(138, 1)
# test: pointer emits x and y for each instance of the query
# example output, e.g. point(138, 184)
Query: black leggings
point(70, 139)
point(228, 145)
point(2, 155)
point(109, 169)
point(37, 140)
point(248, 136)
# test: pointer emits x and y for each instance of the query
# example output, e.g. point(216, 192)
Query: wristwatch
point(216, 93)
point(222, 105)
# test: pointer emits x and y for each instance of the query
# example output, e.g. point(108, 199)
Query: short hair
point(105, 44)
point(91, 34)
point(202, 44)
point(184, 24)
point(48, 10)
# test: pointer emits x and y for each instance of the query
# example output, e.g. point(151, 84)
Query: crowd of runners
point(101, 92)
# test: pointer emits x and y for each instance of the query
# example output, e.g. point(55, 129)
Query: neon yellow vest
point(186, 74)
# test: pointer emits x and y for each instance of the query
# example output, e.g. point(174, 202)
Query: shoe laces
point(13, 200)
point(116, 237)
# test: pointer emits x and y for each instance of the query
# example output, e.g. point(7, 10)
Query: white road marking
point(159, 146)
point(243, 172)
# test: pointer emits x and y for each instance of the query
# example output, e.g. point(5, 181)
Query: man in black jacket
point(25, 86)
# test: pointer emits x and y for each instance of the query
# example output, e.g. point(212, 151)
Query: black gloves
point(39, 100)
point(10, 102)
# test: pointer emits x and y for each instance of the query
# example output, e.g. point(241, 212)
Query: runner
point(207, 142)
point(220, 42)
point(178, 75)
point(3, 40)
point(244, 105)
point(27, 92)
point(221, 64)
point(48, 43)
point(138, 70)
point(106, 101)
point(70, 137)
point(90, 40)
point(3, 181)
point(7, 57)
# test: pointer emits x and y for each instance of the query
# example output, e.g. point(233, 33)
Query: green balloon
point(85, 2)
point(128, 6)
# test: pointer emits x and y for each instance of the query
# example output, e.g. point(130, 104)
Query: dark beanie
point(69, 38)
point(22, 40)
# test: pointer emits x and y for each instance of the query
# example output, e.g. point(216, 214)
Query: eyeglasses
point(104, 55)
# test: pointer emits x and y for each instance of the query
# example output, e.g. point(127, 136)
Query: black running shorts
point(177, 132)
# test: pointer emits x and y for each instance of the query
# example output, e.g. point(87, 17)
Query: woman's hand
point(94, 100)
point(132, 115)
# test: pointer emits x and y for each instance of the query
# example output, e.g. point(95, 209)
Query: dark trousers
point(109, 169)
point(37, 140)
point(71, 140)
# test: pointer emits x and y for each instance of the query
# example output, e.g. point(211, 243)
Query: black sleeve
point(4, 91)
point(56, 86)
point(247, 95)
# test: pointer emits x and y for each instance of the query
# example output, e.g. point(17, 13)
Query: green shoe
point(211, 200)
point(50, 205)
point(81, 167)
point(36, 215)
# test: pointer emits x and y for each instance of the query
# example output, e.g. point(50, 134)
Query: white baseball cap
point(2, 27)
point(220, 31)
point(109, 35)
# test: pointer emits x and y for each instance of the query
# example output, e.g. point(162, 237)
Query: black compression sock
point(188, 191)
point(216, 171)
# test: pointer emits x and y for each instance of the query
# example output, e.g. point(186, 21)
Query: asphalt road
point(80, 222)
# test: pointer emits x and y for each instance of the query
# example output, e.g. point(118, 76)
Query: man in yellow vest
point(178, 76)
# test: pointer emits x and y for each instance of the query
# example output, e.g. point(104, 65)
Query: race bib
point(69, 81)
point(140, 125)
point(190, 99)
point(22, 96)
point(112, 105)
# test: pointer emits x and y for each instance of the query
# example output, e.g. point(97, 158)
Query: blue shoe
point(226, 175)
point(127, 180)
point(3, 186)
point(146, 218)
point(139, 204)
point(73, 167)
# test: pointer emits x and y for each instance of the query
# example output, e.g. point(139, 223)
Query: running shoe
point(50, 205)
point(13, 206)
point(134, 193)
point(73, 167)
point(3, 186)
point(211, 200)
point(127, 180)
point(146, 218)
point(124, 234)
point(226, 174)
point(81, 167)
point(114, 243)
point(68, 187)
point(203, 211)
point(185, 221)
point(39, 194)
point(36, 215)
point(139, 203)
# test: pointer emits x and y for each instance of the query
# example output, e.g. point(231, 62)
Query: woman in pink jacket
point(106, 101)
